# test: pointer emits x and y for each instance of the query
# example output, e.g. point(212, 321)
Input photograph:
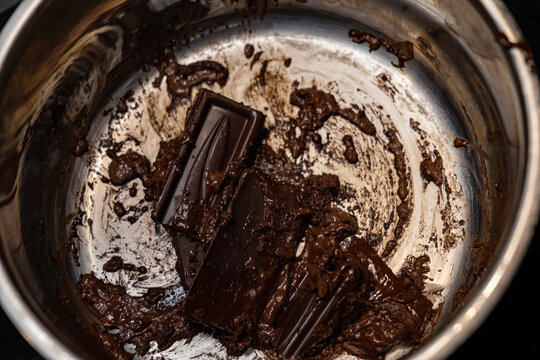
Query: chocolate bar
point(315, 306)
point(223, 132)
point(231, 288)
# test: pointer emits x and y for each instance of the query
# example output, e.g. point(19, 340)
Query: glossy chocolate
point(222, 132)
point(241, 266)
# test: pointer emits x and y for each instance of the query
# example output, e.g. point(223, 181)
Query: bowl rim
point(479, 304)
point(496, 281)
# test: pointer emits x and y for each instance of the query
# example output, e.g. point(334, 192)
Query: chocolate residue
point(248, 50)
point(182, 78)
point(262, 73)
point(287, 62)
point(73, 239)
point(213, 180)
point(122, 106)
point(460, 143)
point(433, 170)
point(256, 58)
point(403, 209)
point(404, 50)
point(119, 209)
point(79, 146)
point(502, 39)
point(133, 190)
point(116, 263)
point(315, 108)
point(124, 319)
point(350, 152)
point(127, 167)
point(113, 264)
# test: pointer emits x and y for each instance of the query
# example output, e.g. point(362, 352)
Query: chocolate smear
point(123, 319)
point(404, 50)
point(502, 39)
point(181, 79)
point(224, 132)
point(433, 170)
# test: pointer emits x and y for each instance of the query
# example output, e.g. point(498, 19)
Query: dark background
point(510, 331)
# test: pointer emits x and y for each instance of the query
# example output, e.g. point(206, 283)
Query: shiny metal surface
point(449, 89)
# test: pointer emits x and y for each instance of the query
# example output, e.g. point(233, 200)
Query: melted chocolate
point(433, 170)
point(251, 290)
point(248, 51)
point(403, 50)
point(79, 146)
point(315, 108)
point(125, 319)
point(119, 209)
point(129, 166)
point(526, 48)
point(182, 78)
point(350, 152)
point(236, 244)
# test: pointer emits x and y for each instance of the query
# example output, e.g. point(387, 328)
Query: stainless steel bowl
point(54, 71)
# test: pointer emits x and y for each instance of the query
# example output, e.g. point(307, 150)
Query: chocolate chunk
point(247, 255)
point(318, 288)
point(223, 132)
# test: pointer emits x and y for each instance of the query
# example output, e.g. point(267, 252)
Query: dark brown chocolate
point(244, 260)
point(315, 108)
point(350, 151)
point(404, 50)
point(223, 132)
point(433, 170)
point(156, 316)
point(181, 79)
point(127, 167)
point(525, 47)
point(248, 50)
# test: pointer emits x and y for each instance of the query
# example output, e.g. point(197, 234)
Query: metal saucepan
point(65, 63)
